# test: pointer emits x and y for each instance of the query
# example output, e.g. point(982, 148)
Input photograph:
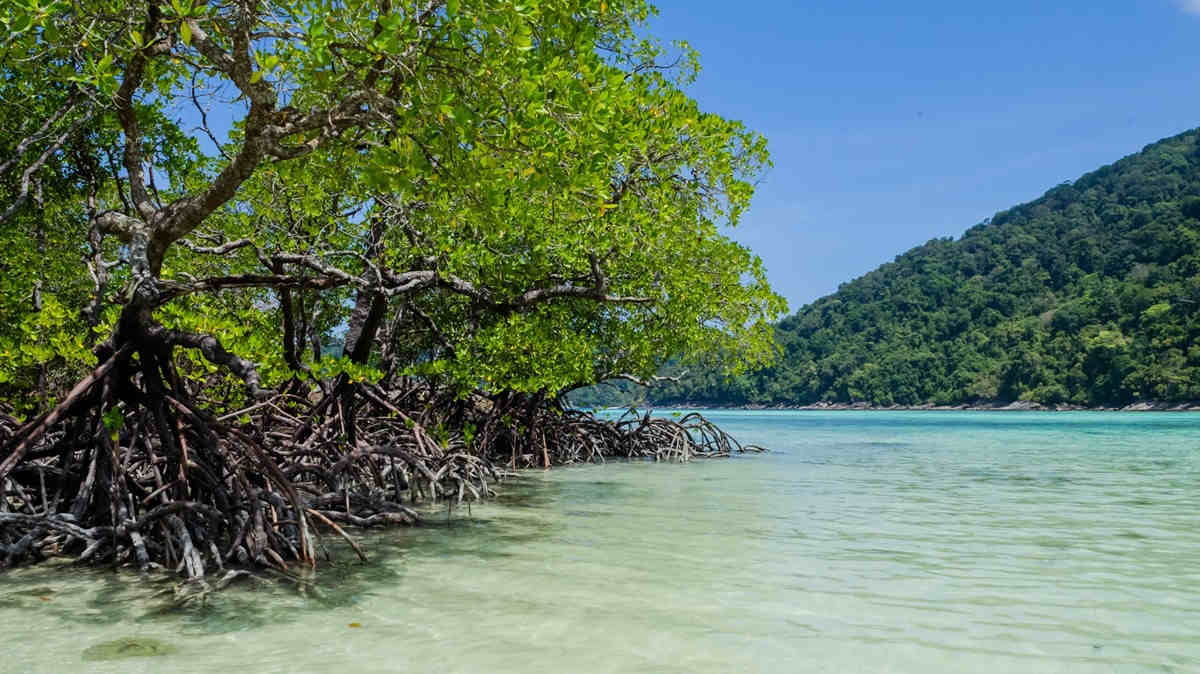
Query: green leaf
point(21, 23)
point(523, 37)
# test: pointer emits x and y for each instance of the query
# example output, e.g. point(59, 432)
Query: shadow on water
point(82, 596)
point(1018, 478)
point(527, 492)
point(123, 649)
point(600, 492)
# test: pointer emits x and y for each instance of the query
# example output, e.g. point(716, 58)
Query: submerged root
point(134, 468)
point(552, 435)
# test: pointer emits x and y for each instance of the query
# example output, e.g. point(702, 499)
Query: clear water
point(867, 542)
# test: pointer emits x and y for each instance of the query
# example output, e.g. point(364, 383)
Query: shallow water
point(866, 542)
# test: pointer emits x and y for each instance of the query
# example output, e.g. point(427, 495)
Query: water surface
point(866, 542)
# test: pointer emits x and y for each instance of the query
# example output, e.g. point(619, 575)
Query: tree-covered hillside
point(1088, 295)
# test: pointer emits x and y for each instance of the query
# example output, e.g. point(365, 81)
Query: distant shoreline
point(1018, 406)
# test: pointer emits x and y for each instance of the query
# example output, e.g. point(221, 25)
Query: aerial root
point(132, 470)
point(557, 436)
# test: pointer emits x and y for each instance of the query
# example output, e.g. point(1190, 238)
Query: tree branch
point(37, 135)
point(216, 354)
point(650, 382)
point(27, 175)
point(135, 70)
point(217, 250)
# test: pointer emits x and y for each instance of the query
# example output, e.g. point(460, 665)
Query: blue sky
point(891, 123)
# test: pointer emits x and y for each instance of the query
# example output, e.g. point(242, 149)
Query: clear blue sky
point(891, 123)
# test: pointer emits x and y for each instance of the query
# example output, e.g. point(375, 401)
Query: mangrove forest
point(275, 270)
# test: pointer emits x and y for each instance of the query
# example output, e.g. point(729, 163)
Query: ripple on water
point(903, 542)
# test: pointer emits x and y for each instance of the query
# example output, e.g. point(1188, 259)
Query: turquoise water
point(866, 542)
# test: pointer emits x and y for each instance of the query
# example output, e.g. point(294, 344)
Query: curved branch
point(216, 354)
point(118, 224)
point(34, 430)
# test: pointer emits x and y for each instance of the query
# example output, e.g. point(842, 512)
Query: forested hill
point(1089, 295)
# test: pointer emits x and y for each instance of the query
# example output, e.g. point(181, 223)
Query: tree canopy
point(520, 189)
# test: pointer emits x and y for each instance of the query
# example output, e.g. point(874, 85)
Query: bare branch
point(217, 250)
point(598, 292)
point(392, 284)
point(204, 119)
point(170, 290)
point(37, 165)
point(650, 382)
point(39, 134)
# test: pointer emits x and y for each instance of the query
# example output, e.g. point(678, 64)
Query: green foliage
point(1089, 295)
point(613, 393)
point(521, 147)
point(42, 337)
point(329, 368)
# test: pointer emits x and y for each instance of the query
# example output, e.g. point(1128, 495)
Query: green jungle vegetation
point(281, 266)
point(1089, 296)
